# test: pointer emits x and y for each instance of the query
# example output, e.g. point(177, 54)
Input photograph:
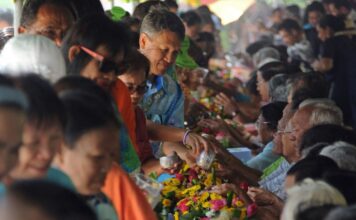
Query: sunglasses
point(140, 89)
point(105, 65)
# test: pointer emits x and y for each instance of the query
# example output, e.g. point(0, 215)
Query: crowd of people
point(90, 98)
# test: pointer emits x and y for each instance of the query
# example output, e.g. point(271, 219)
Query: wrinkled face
point(262, 87)
point(11, 127)
point(289, 38)
point(290, 151)
point(264, 133)
point(299, 125)
point(13, 208)
point(90, 159)
point(92, 69)
point(323, 33)
point(135, 82)
point(192, 31)
point(52, 21)
point(161, 49)
point(278, 145)
point(38, 149)
point(314, 18)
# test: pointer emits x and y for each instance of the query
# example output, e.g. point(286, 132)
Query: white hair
point(344, 154)
point(308, 194)
point(324, 111)
point(264, 53)
point(26, 53)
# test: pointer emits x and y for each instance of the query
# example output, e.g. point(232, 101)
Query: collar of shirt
point(155, 84)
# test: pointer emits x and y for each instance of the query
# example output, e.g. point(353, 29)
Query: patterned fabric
point(264, 159)
point(163, 103)
point(275, 181)
point(102, 207)
point(271, 168)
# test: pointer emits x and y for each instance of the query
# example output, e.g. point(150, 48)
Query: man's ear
point(22, 30)
point(143, 40)
point(73, 52)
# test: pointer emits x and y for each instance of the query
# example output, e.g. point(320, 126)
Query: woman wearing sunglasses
point(95, 48)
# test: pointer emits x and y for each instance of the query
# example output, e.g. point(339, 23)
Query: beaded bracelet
point(185, 136)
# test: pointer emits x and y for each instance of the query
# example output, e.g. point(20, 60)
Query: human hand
point(229, 105)
point(261, 197)
point(214, 124)
point(197, 143)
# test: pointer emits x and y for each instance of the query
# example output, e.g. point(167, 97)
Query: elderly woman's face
point(161, 50)
point(37, 151)
point(11, 127)
point(92, 69)
point(88, 161)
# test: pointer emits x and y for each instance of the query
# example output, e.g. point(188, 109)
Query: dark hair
point(31, 7)
point(308, 85)
point(313, 7)
point(328, 134)
point(191, 18)
point(160, 20)
point(83, 8)
point(85, 112)
point(253, 48)
point(276, 10)
point(79, 83)
point(341, 3)
point(171, 3)
point(313, 213)
point(144, 8)
point(5, 81)
point(205, 37)
point(136, 61)
point(272, 113)
point(7, 15)
point(294, 10)
point(270, 70)
point(113, 36)
point(345, 182)
point(44, 104)
point(334, 23)
point(251, 84)
point(57, 202)
point(131, 21)
point(289, 25)
point(312, 167)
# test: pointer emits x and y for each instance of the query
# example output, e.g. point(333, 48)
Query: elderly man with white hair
point(344, 154)
point(310, 194)
point(314, 112)
point(32, 54)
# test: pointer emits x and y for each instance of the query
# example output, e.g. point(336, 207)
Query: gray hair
point(278, 88)
point(342, 213)
point(308, 194)
point(267, 52)
point(344, 154)
point(159, 20)
point(324, 111)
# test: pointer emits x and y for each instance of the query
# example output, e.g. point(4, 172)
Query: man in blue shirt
point(160, 40)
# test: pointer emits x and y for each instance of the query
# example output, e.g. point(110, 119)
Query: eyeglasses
point(106, 65)
point(140, 89)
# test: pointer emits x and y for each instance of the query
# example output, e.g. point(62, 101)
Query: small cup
point(167, 162)
point(205, 159)
point(151, 188)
